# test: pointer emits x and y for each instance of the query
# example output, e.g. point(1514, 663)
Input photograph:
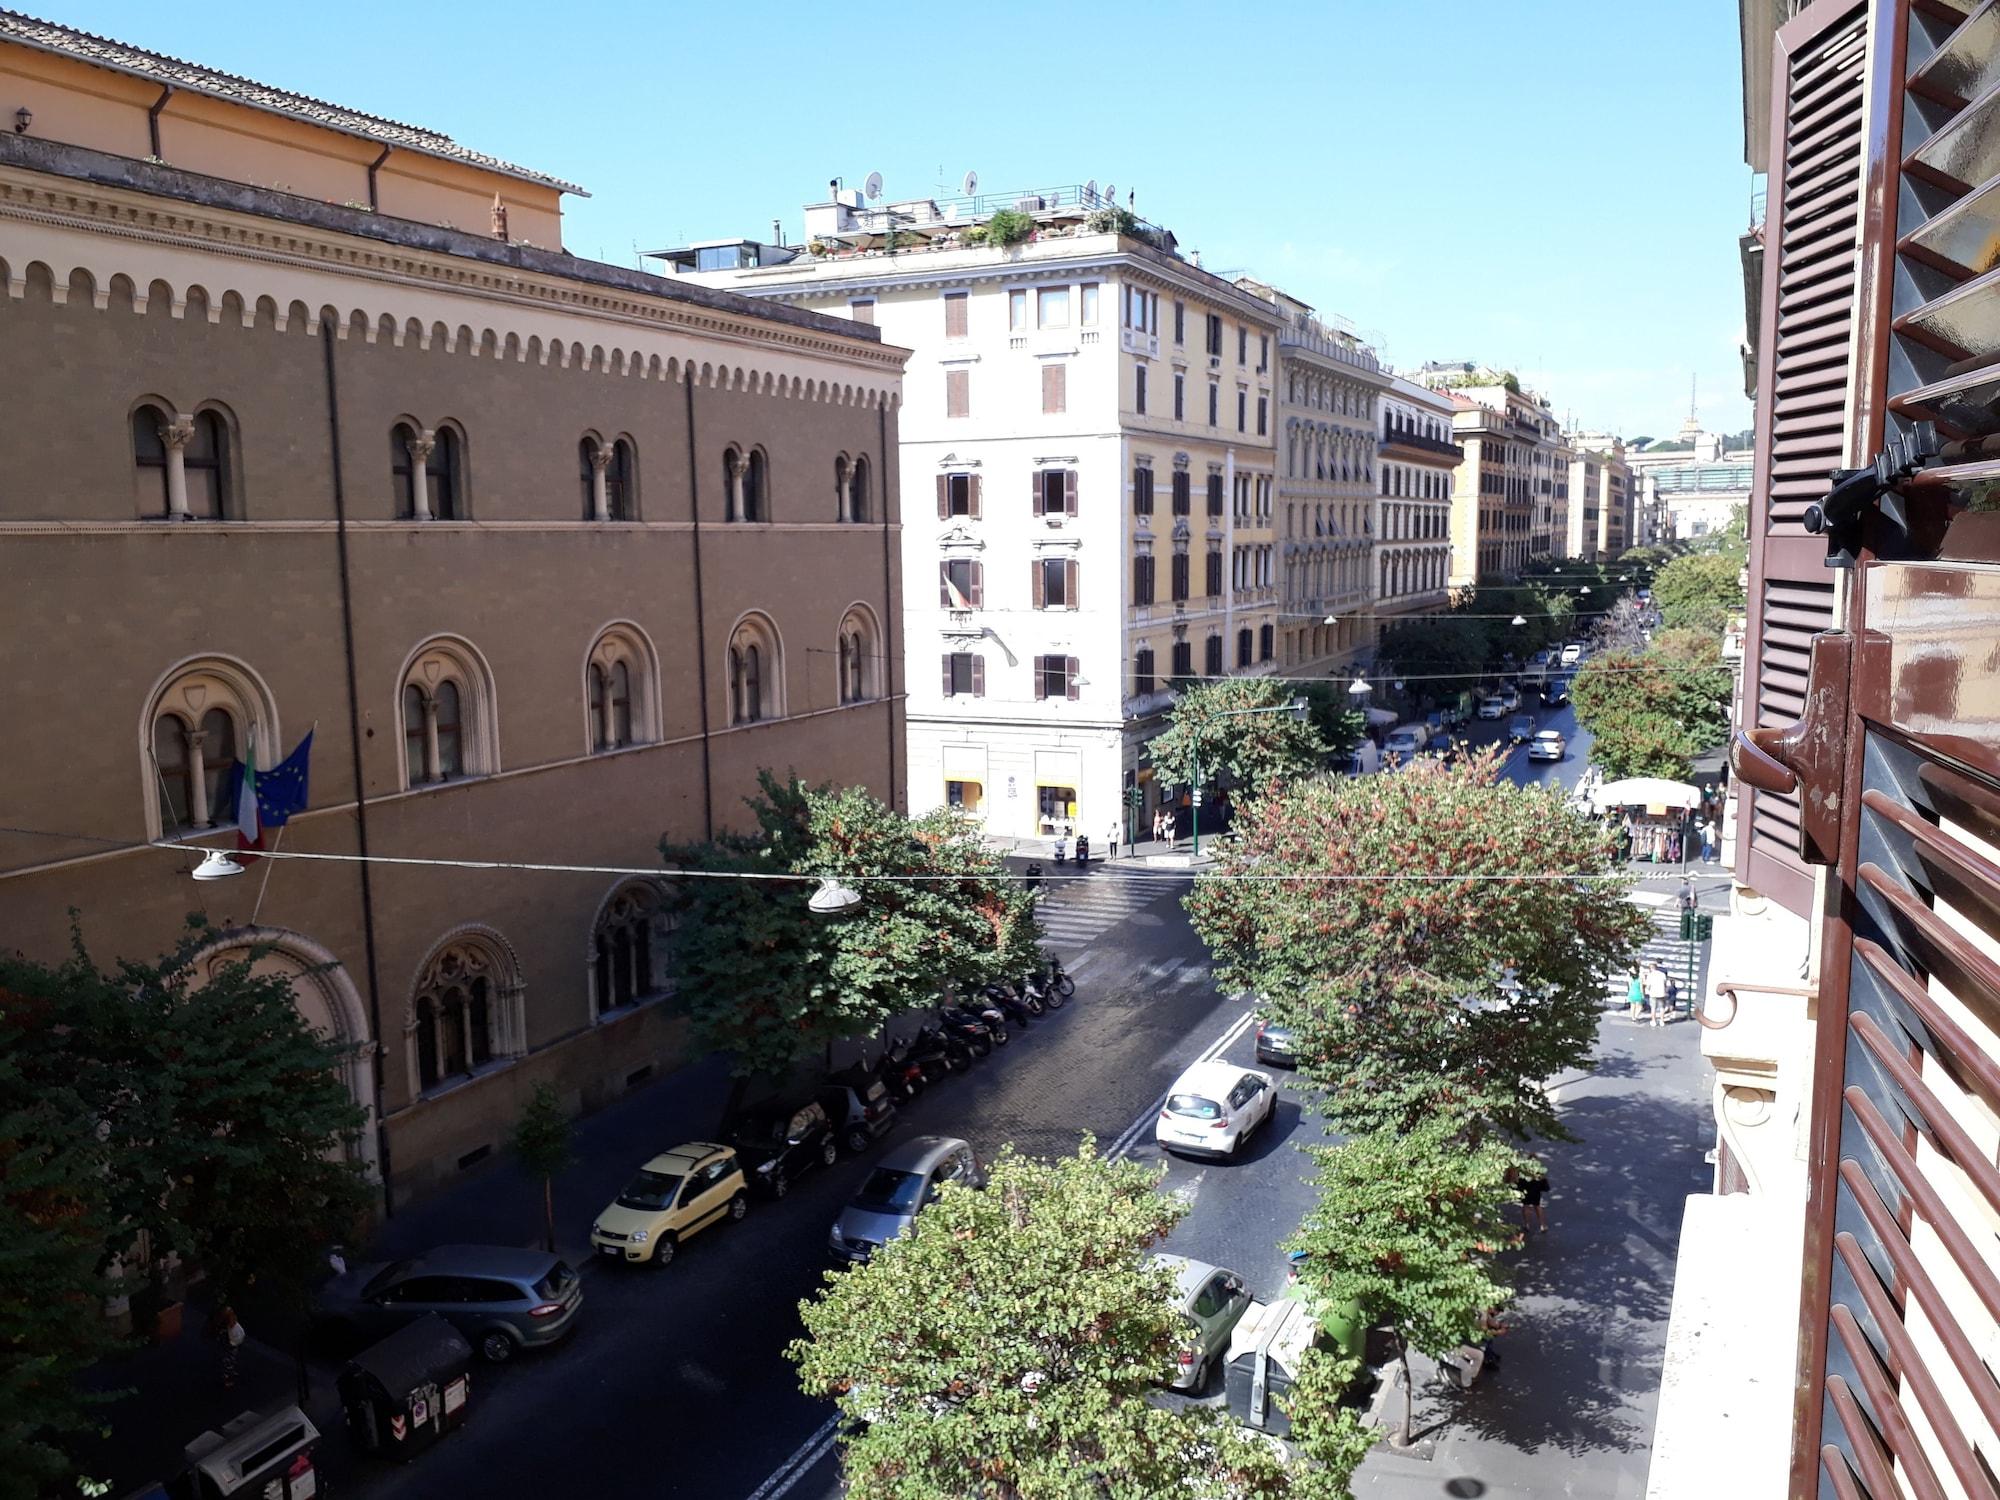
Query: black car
point(859, 1106)
point(1555, 692)
point(1275, 1045)
point(778, 1143)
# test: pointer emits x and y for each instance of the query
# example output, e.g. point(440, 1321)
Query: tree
point(1241, 725)
point(1732, 540)
point(52, 1238)
point(1699, 592)
point(1651, 712)
point(1440, 940)
point(1007, 1349)
point(1448, 651)
point(542, 1141)
point(1408, 1226)
point(765, 978)
point(225, 1126)
point(1330, 709)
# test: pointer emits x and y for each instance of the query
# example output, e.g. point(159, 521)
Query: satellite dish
point(1111, 192)
point(970, 185)
point(873, 186)
point(1090, 191)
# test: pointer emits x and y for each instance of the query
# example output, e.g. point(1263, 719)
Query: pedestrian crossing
point(1074, 913)
point(1663, 947)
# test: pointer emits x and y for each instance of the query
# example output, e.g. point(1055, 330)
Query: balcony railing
point(1404, 437)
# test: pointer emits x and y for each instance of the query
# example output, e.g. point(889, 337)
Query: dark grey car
point(896, 1191)
point(502, 1299)
point(1275, 1044)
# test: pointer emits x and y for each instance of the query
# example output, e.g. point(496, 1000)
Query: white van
point(1405, 740)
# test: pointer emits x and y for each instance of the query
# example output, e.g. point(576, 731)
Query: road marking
point(802, 1461)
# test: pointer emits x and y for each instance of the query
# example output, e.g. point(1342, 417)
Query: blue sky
point(1552, 186)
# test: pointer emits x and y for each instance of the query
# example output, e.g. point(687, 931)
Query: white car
point(1493, 708)
point(1572, 654)
point(1213, 1107)
point(1548, 745)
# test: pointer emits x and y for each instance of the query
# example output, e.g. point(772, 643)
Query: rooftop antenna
point(873, 186)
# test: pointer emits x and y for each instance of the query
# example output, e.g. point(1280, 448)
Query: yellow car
point(676, 1194)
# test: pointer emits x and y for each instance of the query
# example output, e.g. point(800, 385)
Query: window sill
point(445, 1087)
point(631, 1008)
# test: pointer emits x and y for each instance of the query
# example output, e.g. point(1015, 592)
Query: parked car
point(1210, 1301)
point(859, 1106)
point(676, 1194)
point(903, 1182)
point(1213, 1107)
point(1405, 740)
point(1275, 1044)
point(1510, 697)
point(1572, 654)
point(1492, 707)
point(1555, 692)
point(1522, 729)
point(1548, 745)
point(500, 1298)
point(780, 1142)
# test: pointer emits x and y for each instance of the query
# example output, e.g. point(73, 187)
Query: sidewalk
point(1571, 1409)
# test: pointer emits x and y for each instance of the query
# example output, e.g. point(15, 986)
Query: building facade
point(1510, 504)
point(1329, 388)
point(1600, 498)
point(1413, 525)
point(1699, 485)
point(548, 557)
point(1132, 395)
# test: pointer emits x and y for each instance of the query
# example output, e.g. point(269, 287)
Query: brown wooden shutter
point(973, 484)
point(1070, 674)
point(957, 393)
point(948, 658)
point(1054, 387)
point(954, 315)
point(944, 585)
point(1069, 583)
point(1069, 492)
point(979, 585)
point(979, 676)
point(1037, 584)
point(1041, 680)
point(944, 497)
point(1803, 401)
point(1035, 500)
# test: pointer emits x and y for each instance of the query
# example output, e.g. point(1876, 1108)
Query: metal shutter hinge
point(1808, 757)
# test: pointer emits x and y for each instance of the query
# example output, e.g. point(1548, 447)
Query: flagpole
point(269, 865)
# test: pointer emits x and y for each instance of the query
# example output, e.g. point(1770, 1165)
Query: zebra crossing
point(1663, 947)
point(1076, 912)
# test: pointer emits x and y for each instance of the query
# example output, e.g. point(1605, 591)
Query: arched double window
point(181, 465)
point(621, 688)
point(427, 466)
point(746, 484)
point(198, 724)
point(630, 948)
point(445, 702)
point(860, 656)
point(608, 472)
point(465, 1009)
point(756, 679)
point(850, 480)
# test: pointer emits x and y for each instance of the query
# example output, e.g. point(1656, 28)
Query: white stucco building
point(1413, 526)
point(1087, 444)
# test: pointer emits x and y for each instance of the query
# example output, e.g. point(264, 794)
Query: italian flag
point(249, 832)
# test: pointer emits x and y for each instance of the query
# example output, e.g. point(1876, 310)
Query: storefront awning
point(1644, 791)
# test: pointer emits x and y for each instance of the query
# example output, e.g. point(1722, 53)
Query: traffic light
point(1687, 925)
point(1696, 926)
point(1136, 796)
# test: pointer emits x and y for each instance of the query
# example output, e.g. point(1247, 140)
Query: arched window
point(621, 482)
point(630, 949)
point(180, 464)
point(427, 467)
point(586, 471)
point(860, 656)
point(745, 482)
point(600, 702)
point(446, 702)
point(621, 704)
point(149, 460)
point(620, 686)
point(857, 490)
point(205, 465)
point(197, 725)
point(755, 672)
point(465, 1010)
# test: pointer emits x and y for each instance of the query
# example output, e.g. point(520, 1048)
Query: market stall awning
point(1384, 716)
point(1644, 791)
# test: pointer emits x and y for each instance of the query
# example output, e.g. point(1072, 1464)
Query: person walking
point(229, 1335)
point(1635, 996)
point(1689, 901)
point(1707, 831)
point(1534, 1188)
point(1111, 845)
point(1656, 994)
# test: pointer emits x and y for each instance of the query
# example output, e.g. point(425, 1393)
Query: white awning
point(1383, 716)
point(1644, 791)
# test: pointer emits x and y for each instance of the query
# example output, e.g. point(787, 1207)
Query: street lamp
point(1360, 687)
point(832, 898)
point(217, 866)
point(1520, 620)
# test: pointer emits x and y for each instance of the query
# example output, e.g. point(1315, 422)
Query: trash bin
point(402, 1395)
point(1264, 1354)
point(264, 1454)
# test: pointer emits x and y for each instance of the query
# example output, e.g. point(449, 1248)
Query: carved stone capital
point(178, 432)
point(420, 447)
point(600, 457)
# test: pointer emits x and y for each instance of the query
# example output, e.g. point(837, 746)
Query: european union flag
point(282, 790)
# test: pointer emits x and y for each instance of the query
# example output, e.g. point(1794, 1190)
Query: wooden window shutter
point(1070, 674)
point(1803, 400)
point(1054, 387)
point(948, 660)
point(1038, 584)
point(972, 482)
point(1069, 491)
point(1035, 505)
point(979, 585)
point(1041, 677)
point(1069, 583)
point(944, 497)
point(954, 315)
point(957, 393)
point(979, 676)
point(944, 585)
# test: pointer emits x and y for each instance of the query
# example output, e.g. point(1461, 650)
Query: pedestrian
point(1635, 996)
point(229, 1335)
point(1111, 845)
point(1689, 901)
point(1707, 831)
point(1656, 994)
point(1534, 1188)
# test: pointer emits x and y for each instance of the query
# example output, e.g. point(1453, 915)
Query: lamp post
point(1296, 708)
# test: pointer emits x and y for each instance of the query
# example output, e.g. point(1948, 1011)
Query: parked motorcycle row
point(968, 1028)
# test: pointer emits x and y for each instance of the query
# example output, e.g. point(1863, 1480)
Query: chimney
point(499, 218)
point(777, 231)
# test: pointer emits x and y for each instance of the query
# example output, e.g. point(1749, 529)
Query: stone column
point(600, 503)
point(738, 467)
point(433, 768)
point(197, 777)
point(420, 448)
point(175, 437)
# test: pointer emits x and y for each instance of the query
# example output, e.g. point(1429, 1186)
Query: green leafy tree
point(52, 1239)
point(1699, 591)
point(773, 983)
point(1445, 652)
point(224, 1120)
point(1440, 940)
point(1408, 1225)
point(542, 1141)
point(1242, 726)
point(1008, 1349)
point(1330, 709)
point(1731, 540)
point(1651, 712)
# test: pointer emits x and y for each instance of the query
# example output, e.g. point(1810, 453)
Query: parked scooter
point(1036, 986)
point(938, 1052)
point(979, 1008)
point(1019, 1009)
point(901, 1074)
point(1059, 983)
point(970, 1028)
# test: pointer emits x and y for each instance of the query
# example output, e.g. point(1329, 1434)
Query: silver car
point(1210, 1300)
point(896, 1191)
point(501, 1298)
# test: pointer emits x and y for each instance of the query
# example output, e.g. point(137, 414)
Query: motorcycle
point(1041, 992)
point(1017, 1006)
point(900, 1073)
point(939, 1053)
point(1059, 983)
point(971, 1028)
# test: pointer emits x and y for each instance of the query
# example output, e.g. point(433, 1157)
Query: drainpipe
point(888, 594)
point(153, 119)
point(327, 335)
point(375, 166)
point(700, 620)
